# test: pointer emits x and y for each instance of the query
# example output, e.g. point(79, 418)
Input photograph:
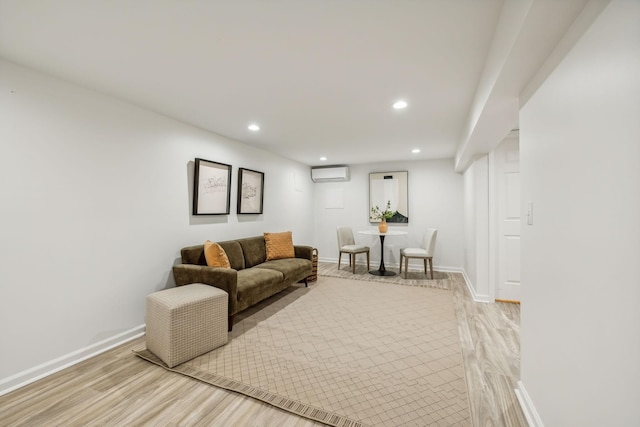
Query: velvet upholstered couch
point(252, 277)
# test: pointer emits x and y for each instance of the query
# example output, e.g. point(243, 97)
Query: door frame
point(494, 218)
point(493, 226)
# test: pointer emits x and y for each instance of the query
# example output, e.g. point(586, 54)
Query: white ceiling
point(318, 76)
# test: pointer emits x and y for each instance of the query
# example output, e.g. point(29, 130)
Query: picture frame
point(250, 191)
point(390, 187)
point(211, 188)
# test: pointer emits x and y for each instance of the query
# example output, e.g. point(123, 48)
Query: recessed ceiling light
point(399, 105)
point(253, 127)
point(415, 150)
point(323, 158)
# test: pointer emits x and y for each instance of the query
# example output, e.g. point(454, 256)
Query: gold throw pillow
point(215, 255)
point(279, 245)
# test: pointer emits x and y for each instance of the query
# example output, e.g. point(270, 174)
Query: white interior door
point(509, 212)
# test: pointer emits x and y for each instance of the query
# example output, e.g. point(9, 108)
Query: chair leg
point(368, 267)
point(400, 271)
point(431, 267)
point(406, 266)
point(425, 266)
point(353, 264)
point(339, 258)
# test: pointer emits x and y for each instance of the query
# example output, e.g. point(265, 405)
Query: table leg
point(382, 271)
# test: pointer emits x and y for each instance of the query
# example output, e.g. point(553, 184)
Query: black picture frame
point(211, 188)
point(250, 191)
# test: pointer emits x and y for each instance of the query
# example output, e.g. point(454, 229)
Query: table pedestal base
point(382, 273)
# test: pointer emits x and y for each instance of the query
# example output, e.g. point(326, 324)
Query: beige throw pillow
point(215, 255)
point(279, 245)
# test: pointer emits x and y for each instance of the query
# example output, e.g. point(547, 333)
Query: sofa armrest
point(222, 278)
point(305, 252)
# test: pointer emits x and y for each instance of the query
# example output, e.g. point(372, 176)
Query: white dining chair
point(425, 252)
point(347, 245)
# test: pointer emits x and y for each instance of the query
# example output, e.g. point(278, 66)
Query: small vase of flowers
point(382, 216)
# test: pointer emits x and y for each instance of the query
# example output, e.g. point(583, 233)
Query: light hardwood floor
point(117, 388)
point(490, 340)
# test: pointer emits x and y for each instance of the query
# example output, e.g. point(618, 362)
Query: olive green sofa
point(251, 277)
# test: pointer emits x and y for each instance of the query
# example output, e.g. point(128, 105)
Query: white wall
point(580, 152)
point(434, 202)
point(476, 228)
point(96, 206)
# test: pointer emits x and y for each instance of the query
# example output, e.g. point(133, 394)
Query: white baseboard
point(23, 378)
point(528, 408)
point(475, 296)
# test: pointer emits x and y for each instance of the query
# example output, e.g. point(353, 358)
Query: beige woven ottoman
point(185, 322)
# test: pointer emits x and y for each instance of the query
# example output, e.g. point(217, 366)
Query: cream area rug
point(346, 353)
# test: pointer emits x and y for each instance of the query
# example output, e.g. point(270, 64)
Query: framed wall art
point(250, 191)
point(211, 188)
point(390, 188)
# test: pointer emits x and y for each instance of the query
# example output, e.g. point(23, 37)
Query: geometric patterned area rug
point(345, 353)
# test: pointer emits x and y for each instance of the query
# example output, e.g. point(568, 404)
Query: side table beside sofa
point(185, 322)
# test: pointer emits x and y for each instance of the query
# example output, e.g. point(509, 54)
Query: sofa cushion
point(293, 269)
point(234, 253)
point(279, 245)
point(256, 284)
point(254, 251)
point(215, 255)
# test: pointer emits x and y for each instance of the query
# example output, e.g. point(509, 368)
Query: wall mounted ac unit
point(330, 174)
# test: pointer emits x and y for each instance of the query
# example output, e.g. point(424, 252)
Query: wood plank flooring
point(117, 388)
point(490, 341)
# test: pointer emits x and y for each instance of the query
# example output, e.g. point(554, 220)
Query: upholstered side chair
point(425, 252)
point(347, 245)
